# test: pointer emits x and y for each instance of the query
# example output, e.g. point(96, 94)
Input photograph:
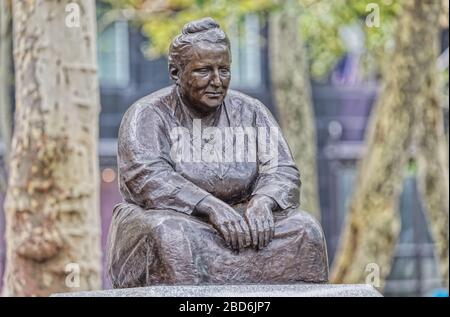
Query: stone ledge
point(248, 290)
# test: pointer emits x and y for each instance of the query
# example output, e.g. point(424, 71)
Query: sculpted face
point(205, 78)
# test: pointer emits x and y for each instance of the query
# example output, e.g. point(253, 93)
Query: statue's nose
point(215, 80)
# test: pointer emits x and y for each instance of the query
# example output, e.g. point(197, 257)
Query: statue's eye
point(224, 71)
point(202, 71)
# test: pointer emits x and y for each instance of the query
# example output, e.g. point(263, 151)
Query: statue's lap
point(149, 247)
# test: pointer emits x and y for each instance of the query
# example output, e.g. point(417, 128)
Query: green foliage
point(320, 22)
point(162, 20)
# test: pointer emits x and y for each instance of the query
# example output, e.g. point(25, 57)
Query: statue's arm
point(146, 172)
point(278, 177)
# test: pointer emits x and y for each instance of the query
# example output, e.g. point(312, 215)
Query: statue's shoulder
point(242, 102)
point(159, 101)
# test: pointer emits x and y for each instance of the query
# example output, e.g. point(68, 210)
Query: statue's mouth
point(213, 94)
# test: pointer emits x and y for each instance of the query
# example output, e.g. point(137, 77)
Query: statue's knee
point(168, 224)
point(159, 227)
point(133, 219)
point(309, 228)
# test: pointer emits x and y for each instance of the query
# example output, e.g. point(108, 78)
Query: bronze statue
point(210, 187)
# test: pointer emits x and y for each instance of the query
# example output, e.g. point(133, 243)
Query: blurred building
point(341, 113)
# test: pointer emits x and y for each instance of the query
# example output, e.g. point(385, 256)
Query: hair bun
point(201, 25)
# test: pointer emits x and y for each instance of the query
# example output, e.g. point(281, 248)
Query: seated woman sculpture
point(210, 188)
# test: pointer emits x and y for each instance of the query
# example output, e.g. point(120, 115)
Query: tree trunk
point(291, 87)
point(52, 202)
point(5, 85)
point(372, 223)
point(432, 162)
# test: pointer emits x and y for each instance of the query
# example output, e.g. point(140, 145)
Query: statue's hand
point(228, 222)
point(260, 220)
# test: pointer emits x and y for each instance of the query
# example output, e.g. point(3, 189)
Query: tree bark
point(291, 88)
point(432, 163)
point(5, 85)
point(372, 223)
point(52, 202)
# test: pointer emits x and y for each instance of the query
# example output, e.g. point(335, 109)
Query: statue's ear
point(174, 73)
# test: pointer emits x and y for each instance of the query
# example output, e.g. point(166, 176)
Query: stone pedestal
point(251, 290)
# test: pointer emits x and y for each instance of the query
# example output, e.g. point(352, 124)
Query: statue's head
point(199, 63)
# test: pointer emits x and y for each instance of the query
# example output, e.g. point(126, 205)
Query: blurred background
point(342, 52)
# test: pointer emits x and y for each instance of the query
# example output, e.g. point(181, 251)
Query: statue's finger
point(266, 232)
point(225, 234)
point(240, 235)
point(254, 233)
point(272, 228)
point(247, 235)
point(260, 226)
point(233, 236)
